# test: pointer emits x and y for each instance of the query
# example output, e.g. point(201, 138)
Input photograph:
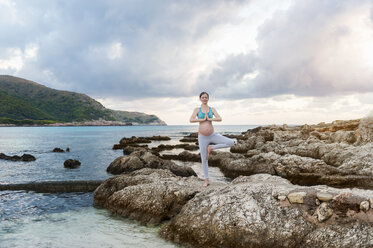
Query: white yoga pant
point(218, 140)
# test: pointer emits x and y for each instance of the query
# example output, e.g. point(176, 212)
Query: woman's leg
point(203, 142)
point(220, 141)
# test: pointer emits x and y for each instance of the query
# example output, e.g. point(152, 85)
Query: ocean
point(29, 219)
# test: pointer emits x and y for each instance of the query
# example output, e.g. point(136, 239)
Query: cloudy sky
point(262, 61)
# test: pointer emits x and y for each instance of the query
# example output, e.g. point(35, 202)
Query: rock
point(251, 153)
point(125, 164)
point(223, 159)
point(337, 125)
point(117, 146)
point(67, 149)
point(188, 156)
point(245, 213)
point(371, 202)
point(57, 149)
point(336, 154)
point(192, 135)
point(364, 206)
point(345, 203)
point(163, 147)
point(240, 147)
point(25, 157)
point(158, 137)
point(282, 197)
point(246, 167)
point(148, 195)
point(297, 197)
point(189, 139)
point(317, 202)
point(188, 147)
point(143, 159)
point(324, 196)
point(71, 163)
point(236, 136)
point(324, 212)
point(183, 156)
point(153, 161)
point(365, 130)
point(355, 234)
point(131, 148)
point(133, 140)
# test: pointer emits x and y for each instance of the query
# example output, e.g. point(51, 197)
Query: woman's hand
point(194, 115)
point(217, 116)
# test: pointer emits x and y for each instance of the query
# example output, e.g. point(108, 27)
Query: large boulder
point(268, 211)
point(148, 195)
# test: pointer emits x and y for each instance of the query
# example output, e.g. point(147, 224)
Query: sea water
point(29, 219)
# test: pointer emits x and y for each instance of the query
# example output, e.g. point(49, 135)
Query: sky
point(261, 61)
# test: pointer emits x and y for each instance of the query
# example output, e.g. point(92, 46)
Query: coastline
point(88, 123)
point(259, 165)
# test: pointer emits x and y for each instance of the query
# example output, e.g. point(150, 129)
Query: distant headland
point(26, 103)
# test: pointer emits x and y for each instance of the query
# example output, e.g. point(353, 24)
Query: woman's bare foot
point(206, 183)
point(209, 149)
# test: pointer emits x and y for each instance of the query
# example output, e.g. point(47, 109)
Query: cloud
point(313, 48)
point(111, 48)
point(233, 49)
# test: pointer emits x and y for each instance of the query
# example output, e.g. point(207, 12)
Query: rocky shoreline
point(302, 186)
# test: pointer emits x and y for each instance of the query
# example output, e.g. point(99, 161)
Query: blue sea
point(29, 219)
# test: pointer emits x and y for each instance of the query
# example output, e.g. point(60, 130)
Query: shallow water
point(69, 219)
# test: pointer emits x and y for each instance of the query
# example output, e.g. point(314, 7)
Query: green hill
point(138, 117)
point(26, 102)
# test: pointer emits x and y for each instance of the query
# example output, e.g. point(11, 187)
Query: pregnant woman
point(206, 135)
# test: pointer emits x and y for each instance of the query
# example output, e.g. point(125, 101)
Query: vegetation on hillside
point(138, 117)
point(23, 101)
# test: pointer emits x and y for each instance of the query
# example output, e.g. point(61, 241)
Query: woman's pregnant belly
point(205, 128)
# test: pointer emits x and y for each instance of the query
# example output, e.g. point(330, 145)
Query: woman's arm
point(193, 116)
point(217, 116)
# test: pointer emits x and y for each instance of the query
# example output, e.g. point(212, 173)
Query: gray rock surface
point(148, 195)
point(140, 159)
point(337, 154)
point(247, 213)
point(256, 209)
point(324, 212)
point(183, 156)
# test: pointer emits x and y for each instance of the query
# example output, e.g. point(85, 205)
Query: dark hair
point(202, 93)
